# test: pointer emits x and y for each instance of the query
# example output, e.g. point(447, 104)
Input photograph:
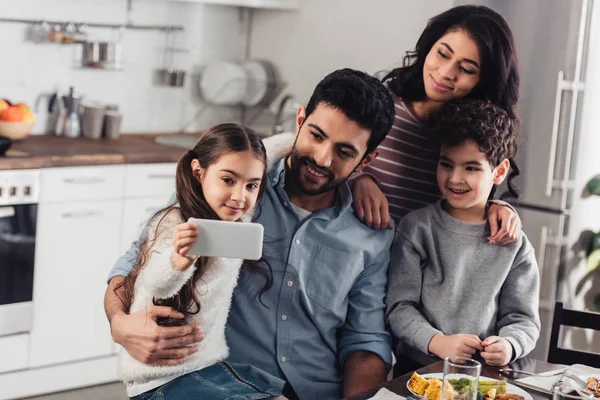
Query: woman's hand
point(505, 218)
point(370, 204)
point(186, 235)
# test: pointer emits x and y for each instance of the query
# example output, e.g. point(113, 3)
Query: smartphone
point(228, 239)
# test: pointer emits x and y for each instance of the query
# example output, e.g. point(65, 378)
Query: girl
point(221, 178)
point(467, 51)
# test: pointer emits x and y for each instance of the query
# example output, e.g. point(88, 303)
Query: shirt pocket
point(332, 274)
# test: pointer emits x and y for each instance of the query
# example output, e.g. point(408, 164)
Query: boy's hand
point(186, 235)
point(459, 345)
point(505, 224)
point(497, 351)
point(370, 203)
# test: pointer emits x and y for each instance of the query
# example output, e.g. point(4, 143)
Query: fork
point(517, 371)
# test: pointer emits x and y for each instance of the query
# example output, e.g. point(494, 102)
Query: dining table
point(398, 385)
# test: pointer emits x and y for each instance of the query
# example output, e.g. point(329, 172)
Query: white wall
point(325, 35)
point(28, 69)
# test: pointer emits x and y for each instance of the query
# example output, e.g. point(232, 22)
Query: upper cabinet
point(273, 4)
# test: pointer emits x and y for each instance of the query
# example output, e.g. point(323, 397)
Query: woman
point(467, 51)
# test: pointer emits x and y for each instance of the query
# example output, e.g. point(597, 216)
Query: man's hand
point(185, 236)
point(497, 351)
point(152, 344)
point(370, 203)
point(505, 218)
point(459, 345)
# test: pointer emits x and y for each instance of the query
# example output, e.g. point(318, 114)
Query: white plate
point(258, 82)
point(510, 388)
point(223, 83)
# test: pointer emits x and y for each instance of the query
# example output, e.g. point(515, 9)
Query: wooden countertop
point(43, 151)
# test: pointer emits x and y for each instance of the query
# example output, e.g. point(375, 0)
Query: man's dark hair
point(491, 128)
point(361, 97)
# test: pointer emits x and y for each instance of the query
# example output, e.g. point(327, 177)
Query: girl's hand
point(370, 203)
point(458, 345)
point(497, 351)
point(505, 218)
point(186, 235)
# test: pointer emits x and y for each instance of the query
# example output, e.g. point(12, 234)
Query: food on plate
point(490, 394)
point(417, 384)
point(431, 388)
point(509, 396)
point(593, 385)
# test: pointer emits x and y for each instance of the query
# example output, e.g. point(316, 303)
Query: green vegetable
point(486, 386)
point(593, 186)
point(593, 261)
point(479, 395)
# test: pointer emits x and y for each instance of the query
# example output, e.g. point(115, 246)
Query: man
point(320, 327)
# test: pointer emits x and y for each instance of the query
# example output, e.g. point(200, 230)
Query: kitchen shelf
point(166, 28)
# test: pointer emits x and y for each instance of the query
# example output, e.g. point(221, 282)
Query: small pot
point(5, 144)
point(101, 55)
point(172, 77)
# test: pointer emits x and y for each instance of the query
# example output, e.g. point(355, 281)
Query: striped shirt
point(405, 168)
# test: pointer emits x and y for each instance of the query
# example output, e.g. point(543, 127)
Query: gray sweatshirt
point(445, 277)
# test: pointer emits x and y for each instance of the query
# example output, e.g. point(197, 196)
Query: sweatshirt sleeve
point(404, 295)
point(158, 276)
point(518, 316)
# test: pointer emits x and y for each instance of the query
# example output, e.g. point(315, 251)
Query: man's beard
point(298, 161)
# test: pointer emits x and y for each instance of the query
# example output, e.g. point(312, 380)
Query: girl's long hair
point(499, 82)
point(217, 141)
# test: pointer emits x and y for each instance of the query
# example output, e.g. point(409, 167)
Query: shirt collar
point(343, 199)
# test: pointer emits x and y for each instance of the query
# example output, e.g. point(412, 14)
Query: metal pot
point(172, 77)
point(105, 55)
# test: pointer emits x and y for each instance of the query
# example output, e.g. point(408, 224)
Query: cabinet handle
point(84, 180)
point(7, 212)
point(82, 214)
point(161, 176)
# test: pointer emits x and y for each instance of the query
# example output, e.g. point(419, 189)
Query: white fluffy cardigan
point(214, 289)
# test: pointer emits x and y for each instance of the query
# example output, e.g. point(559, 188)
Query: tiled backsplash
point(28, 69)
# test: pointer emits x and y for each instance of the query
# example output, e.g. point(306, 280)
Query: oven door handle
point(7, 212)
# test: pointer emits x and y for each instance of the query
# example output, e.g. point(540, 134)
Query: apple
point(12, 114)
point(3, 105)
point(24, 107)
point(28, 117)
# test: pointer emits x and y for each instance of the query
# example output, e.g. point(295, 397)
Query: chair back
point(578, 319)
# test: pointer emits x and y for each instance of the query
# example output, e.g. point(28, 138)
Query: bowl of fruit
point(16, 120)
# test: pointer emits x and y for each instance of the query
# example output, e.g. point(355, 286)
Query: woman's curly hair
point(489, 126)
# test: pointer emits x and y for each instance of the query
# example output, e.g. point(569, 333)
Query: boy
point(451, 293)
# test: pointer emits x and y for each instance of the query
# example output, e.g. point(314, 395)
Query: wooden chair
point(579, 319)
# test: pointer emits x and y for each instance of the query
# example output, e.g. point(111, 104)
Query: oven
point(18, 216)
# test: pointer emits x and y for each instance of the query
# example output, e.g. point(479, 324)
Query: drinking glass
point(461, 378)
point(564, 390)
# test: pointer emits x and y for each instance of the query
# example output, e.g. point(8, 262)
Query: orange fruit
point(12, 114)
point(3, 105)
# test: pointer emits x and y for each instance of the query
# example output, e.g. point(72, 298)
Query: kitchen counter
point(45, 151)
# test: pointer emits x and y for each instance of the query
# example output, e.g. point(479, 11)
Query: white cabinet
point(14, 350)
point(136, 212)
point(272, 4)
point(77, 243)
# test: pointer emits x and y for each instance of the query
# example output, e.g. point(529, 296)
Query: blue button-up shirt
point(329, 281)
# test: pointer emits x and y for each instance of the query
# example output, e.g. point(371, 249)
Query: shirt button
point(290, 283)
point(285, 204)
point(284, 317)
point(283, 359)
point(298, 242)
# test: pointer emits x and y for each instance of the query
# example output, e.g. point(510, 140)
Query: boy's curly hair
point(489, 126)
